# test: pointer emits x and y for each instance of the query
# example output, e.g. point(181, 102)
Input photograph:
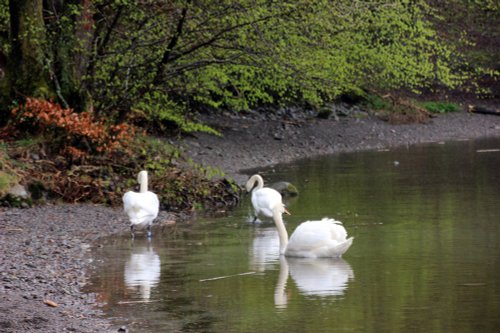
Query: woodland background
point(89, 89)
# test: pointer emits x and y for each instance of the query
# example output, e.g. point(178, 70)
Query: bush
point(74, 134)
point(375, 102)
point(441, 107)
point(8, 176)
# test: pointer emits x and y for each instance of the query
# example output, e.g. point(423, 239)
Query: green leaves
point(158, 108)
point(240, 55)
point(441, 107)
point(164, 58)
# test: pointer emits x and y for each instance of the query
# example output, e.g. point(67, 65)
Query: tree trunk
point(70, 51)
point(27, 60)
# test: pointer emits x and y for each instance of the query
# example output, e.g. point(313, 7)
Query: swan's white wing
point(153, 204)
point(308, 238)
point(129, 199)
point(264, 200)
point(325, 238)
point(141, 207)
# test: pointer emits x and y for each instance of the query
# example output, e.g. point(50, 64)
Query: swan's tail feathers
point(342, 248)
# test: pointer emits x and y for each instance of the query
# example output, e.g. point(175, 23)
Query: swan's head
point(251, 182)
point(248, 186)
point(281, 209)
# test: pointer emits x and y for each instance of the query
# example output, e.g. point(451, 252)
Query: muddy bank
point(46, 250)
point(261, 140)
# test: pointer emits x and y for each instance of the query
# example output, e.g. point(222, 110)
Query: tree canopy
point(159, 59)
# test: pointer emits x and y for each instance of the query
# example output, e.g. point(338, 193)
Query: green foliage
point(7, 177)
point(178, 188)
point(472, 28)
point(243, 54)
point(4, 25)
point(375, 102)
point(104, 179)
point(441, 107)
point(162, 59)
point(159, 109)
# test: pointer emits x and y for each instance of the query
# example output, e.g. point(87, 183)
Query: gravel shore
point(46, 250)
point(45, 255)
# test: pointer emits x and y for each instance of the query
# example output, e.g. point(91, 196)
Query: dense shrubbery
point(78, 134)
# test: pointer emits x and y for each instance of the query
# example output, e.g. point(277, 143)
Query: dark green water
point(425, 258)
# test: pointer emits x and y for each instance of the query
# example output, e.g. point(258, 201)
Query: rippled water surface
point(426, 222)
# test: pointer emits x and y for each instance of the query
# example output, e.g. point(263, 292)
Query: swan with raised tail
point(263, 198)
point(141, 207)
point(312, 239)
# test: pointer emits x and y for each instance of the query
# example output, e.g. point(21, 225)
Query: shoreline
point(257, 141)
point(47, 249)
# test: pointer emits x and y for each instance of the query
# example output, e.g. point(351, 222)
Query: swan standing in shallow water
point(141, 207)
point(312, 239)
point(264, 199)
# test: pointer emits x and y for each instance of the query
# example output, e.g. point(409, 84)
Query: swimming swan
point(141, 207)
point(312, 239)
point(263, 198)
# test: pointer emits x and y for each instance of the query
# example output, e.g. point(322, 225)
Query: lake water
point(425, 258)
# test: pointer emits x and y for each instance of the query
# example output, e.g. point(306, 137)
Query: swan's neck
point(259, 180)
point(283, 235)
point(143, 180)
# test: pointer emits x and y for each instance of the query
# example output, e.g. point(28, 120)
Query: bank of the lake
point(46, 250)
point(258, 140)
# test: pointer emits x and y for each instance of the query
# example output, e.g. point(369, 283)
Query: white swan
point(312, 239)
point(141, 207)
point(263, 198)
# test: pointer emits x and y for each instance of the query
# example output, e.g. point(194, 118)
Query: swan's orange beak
point(287, 212)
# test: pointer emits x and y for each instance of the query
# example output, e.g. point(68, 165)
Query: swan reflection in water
point(142, 270)
point(313, 277)
point(265, 250)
